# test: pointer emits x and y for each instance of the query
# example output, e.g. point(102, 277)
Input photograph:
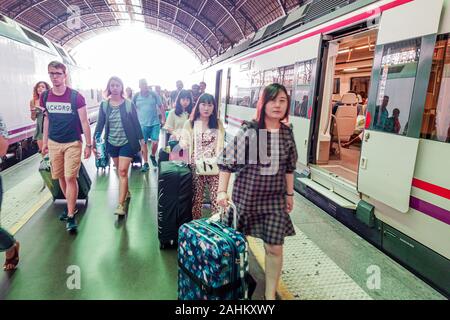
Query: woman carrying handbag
point(203, 135)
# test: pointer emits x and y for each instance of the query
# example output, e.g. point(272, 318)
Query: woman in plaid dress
point(264, 156)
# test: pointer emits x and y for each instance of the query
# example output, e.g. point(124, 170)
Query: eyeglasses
point(55, 74)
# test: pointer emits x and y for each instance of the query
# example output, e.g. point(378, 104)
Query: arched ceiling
point(207, 27)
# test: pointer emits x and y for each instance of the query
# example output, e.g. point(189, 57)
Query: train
point(370, 88)
point(24, 56)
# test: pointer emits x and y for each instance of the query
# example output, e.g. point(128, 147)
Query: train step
point(342, 202)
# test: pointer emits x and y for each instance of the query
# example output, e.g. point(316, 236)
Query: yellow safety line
point(259, 254)
point(30, 213)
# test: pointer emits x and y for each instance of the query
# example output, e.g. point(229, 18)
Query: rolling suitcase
point(84, 181)
point(174, 200)
point(212, 261)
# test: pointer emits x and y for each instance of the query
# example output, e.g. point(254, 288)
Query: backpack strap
point(45, 98)
point(73, 99)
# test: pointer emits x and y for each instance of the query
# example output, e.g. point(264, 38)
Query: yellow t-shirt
point(175, 122)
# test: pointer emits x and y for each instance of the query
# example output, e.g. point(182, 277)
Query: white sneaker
point(120, 210)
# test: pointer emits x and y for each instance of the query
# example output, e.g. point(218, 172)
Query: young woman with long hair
point(123, 135)
point(203, 135)
point(263, 191)
point(37, 113)
point(178, 116)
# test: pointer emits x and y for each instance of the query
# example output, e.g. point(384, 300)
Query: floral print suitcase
point(212, 261)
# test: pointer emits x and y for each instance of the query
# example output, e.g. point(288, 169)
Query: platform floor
point(122, 259)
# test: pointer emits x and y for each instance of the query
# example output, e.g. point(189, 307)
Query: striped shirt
point(117, 136)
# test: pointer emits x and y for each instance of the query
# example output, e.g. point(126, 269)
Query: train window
point(34, 37)
point(436, 117)
point(396, 85)
point(337, 86)
point(248, 85)
point(2, 19)
point(302, 88)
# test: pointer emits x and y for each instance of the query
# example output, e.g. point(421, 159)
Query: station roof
point(207, 27)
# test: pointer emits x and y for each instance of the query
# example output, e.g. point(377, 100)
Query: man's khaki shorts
point(65, 159)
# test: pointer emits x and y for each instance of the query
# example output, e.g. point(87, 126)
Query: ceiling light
point(344, 51)
point(350, 69)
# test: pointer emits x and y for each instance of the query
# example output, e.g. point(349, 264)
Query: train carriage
point(24, 56)
point(370, 88)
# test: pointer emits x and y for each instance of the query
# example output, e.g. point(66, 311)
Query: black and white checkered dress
point(260, 185)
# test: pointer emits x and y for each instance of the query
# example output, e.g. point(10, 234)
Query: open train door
point(403, 59)
point(307, 59)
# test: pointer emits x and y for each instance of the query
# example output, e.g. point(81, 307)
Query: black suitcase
point(84, 181)
point(163, 155)
point(174, 200)
point(137, 159)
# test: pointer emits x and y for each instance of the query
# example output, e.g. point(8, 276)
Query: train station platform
point(122, 259)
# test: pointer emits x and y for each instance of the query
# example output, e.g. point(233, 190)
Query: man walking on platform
point(65, 120)
point(148, 109)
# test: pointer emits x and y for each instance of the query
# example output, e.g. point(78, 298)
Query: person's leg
point(56, 155)
point(273, 266)
point(154, 137)
point(146, 134)
point(199, 190)
point(213, 184)
point(71, 195)
point(124, 165)
point(72, 164)
point(154, 148)
point(11, 248)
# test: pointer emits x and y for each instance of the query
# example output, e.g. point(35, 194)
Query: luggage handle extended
point(219, 216)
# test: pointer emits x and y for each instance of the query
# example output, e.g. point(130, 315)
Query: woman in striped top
point(123, 135)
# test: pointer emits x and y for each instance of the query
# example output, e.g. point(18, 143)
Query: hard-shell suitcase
point(84, 181)
point(212, 261)
point(102, 157)
point(174, 200)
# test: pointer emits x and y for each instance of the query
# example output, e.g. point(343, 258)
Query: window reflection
point(396, 85)
point(302, 90)
point(436, 117)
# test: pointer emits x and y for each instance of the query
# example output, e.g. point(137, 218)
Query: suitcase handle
point(220, 215)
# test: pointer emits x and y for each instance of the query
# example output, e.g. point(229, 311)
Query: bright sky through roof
point(132, 53)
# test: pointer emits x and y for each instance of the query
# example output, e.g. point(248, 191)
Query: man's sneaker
point(120, 210)
point(71, 224)
point(145, 167)
point(153, 159)
point(63, 216)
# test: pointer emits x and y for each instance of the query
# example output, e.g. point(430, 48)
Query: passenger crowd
point(131, 123)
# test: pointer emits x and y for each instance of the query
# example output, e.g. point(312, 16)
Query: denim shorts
point(151, 133)
point(123, 151)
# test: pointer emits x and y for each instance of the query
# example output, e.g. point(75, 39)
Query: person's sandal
point(14, 260)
